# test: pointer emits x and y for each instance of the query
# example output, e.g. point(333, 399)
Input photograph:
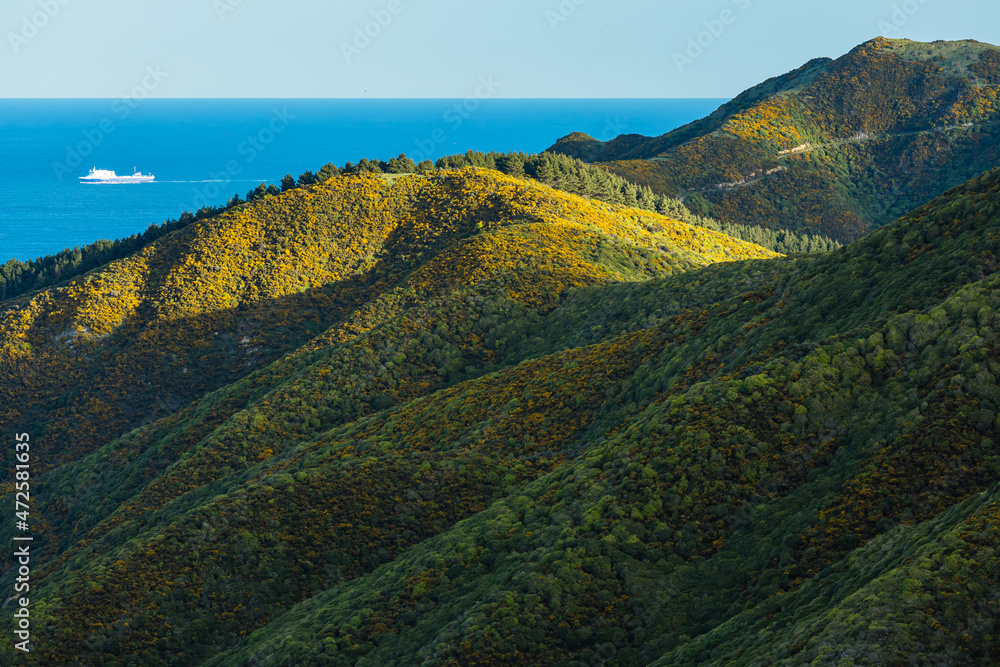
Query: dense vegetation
point(804, 475)
point(834, 148)
point(464, 418)
point(338, 277)
point(197, 308)
point(561, 172)
point(17, 277)
point(572, 175)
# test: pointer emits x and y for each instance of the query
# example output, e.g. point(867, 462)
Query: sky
point(446, 48)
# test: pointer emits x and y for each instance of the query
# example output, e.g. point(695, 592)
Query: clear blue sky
point(441, 48)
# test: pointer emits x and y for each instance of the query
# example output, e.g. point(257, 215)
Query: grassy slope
point(418, 285)
point(887, 127)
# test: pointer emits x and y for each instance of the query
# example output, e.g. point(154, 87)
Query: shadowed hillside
point(206, 305)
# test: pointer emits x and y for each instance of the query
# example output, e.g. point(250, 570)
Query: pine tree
point(511, 164)
point(545, 172)
point(330, 170)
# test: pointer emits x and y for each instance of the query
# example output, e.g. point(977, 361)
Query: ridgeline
point(835, 148)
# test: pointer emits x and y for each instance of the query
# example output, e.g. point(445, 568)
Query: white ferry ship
point(104, 176)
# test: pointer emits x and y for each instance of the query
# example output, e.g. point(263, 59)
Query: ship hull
point(108, 176)
point(120, 179)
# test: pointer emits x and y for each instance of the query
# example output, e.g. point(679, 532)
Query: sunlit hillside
point(208, 304)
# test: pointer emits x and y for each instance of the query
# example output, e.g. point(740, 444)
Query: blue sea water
point(205, 151)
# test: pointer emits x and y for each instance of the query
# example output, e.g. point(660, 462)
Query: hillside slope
point(837, 147)
point(550, 441)
point(205, 305)
point(799, 475)
point(240, 337)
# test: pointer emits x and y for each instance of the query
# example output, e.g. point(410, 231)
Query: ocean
point(205, 151)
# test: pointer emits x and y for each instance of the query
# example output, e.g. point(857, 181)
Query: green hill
point(194, 359)
point(793, 473)
point(836, 147)
point(467, 419)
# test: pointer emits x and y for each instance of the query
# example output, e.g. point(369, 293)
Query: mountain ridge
point(837, 147)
